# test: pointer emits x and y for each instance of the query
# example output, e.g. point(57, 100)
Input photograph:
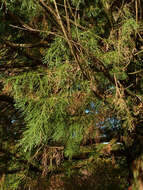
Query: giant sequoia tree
point(67, 70)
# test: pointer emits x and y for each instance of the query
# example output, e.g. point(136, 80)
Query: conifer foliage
point(70, 74)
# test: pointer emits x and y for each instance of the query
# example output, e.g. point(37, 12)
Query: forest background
point(71, 80)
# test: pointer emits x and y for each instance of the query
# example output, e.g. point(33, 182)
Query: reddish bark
point(130, 188)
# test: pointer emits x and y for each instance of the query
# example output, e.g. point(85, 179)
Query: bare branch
point(31, 45)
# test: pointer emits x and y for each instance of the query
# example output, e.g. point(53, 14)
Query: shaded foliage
point(70, 79)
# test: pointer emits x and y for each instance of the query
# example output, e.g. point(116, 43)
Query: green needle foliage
point(70, 79)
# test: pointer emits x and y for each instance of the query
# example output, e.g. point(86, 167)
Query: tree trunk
point(137, 167)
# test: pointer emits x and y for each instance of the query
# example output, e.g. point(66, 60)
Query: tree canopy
point(70, 79)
